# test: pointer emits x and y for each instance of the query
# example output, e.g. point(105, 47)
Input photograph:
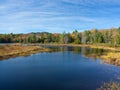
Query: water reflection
point(85, 51)
point(65, 68)
point(88, 52)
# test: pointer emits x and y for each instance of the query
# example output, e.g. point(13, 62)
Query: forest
point(105, 36)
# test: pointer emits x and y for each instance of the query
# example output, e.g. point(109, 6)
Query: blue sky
point(24, 16)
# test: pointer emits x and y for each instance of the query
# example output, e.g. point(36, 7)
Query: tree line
point(107, 36)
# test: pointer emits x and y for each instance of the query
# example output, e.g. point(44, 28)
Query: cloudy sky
point(24, 16)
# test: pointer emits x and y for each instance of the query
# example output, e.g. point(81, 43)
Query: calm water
point(66, 68)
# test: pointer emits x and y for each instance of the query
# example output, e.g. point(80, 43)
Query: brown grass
point(19, 50)
point(106, 47)
point(110, 86)
point(112, 58)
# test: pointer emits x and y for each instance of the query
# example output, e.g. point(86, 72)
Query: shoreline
point(12, 51)
point(82, 45)
point(97, 46)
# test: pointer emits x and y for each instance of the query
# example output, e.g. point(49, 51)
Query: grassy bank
point(9, 51)
point(105, 47)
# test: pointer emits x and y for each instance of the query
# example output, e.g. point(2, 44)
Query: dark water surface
point(67, 68)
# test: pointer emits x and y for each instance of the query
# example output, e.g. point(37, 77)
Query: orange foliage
point(55, 34)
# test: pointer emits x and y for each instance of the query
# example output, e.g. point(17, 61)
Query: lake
point(66, 68)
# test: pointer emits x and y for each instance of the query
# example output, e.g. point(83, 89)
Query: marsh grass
point(112, 58)
point(19, 50)
point(110, 86)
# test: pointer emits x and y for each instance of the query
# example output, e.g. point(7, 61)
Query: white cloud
point(52, 15)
